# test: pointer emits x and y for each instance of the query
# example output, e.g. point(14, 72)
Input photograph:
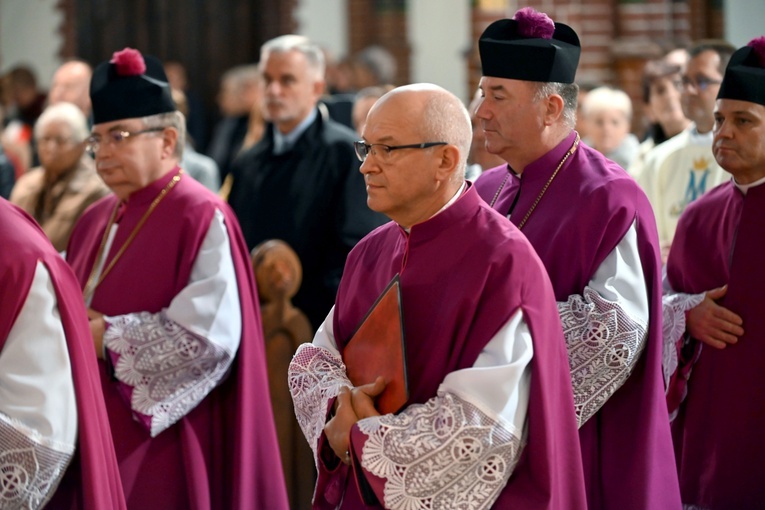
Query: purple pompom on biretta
point(128, 62)
point(534, 24)
point(744, 78)
point(758, 47)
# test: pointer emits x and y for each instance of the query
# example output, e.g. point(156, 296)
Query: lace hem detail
point(31, 465)
point(446, 453)
point(315, 376)
point(170, 369)
point(604, 344)
point(673, 311)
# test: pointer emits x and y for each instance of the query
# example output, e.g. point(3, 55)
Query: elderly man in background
point(57, 192)
point(594, 230)
point(490, 406)
point(300, 182)
point(173, 310)
point(716, 390)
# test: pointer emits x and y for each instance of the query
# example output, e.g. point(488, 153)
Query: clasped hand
point(351, 405)
point(713, 324)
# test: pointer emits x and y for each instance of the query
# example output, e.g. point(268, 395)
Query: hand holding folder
point(378, 349)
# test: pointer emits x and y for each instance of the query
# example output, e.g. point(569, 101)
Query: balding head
point(71, 84)
point(416, 142)
point(436, 114)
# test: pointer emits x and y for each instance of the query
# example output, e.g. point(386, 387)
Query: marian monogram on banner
point(697, 185)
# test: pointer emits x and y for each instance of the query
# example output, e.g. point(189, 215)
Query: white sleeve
point(606, 327)
point(674, 305)
point(38, 411)
point(477, 421)
point(174, 358)
point(316, 374)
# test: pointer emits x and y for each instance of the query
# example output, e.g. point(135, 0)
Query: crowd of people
point(578, 307)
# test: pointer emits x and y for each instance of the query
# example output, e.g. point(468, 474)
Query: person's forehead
point(127, 124)
point(390, 120)
point(736, 106)
point(708, 59)
point(489, 83)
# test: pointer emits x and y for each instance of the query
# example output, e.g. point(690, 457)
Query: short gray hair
point(568, 91)
point(284, 43)
point(175, 120)
point(445, 119)
point(67, 113)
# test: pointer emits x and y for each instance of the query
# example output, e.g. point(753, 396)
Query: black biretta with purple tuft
point(744, 78)
point(130, 85)
point(530, 47)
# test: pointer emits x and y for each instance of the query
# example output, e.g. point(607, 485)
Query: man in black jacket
point(301, 183)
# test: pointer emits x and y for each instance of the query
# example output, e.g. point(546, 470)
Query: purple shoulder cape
point(717, 431)
point(585, 212)
point(454, 270)
point(224, 453)
point(92, 479)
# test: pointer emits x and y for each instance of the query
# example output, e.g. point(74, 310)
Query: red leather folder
point(378, 348)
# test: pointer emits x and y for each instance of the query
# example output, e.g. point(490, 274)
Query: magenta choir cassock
point(191, 419)
point(91, 480)
point(717, 431)
point(595, 232)
point(470, 282)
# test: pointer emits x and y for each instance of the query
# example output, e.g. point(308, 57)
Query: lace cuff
point(31, 465)
point(446, 453)
point(315, 376)
point(169, 369)
point(673, 311)
point(604, 344)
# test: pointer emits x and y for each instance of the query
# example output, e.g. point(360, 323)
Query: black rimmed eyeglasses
point(364, 149)
point(116, 137)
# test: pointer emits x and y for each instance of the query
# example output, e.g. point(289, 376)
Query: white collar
point(745, 187)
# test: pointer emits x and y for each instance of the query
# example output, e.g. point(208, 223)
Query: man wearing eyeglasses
point(680, 170)
point(489, 419)
point(594, 230)
point(301, 183)
point(173, 312)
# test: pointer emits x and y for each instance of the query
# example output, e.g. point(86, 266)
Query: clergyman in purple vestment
point(594, 230)
point(716, 388)
point(56, 445)
point(171, 296)
point(489, 420)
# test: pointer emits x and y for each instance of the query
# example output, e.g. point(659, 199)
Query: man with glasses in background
point(173, 311)
point(490, 404)
point(680, 170)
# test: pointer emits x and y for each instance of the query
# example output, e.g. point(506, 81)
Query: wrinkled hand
point(338, 429)
point(362, 398)
point(713, 324)
point(97, 329)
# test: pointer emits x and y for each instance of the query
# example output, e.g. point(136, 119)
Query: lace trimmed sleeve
point(168, 369)
point(606, 327)
point(458, 449)
point(316, 375)
point(171, 360)
point(673, 307)
point(32, 465)
point(447, 453)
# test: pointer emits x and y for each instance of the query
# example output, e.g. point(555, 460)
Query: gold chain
point(90, 287)
point(571, 150)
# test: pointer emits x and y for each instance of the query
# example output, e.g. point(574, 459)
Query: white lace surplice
point(674, 306)
point(38, 411)
point(460, 446)
point(173, 359)
point(606, 327)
